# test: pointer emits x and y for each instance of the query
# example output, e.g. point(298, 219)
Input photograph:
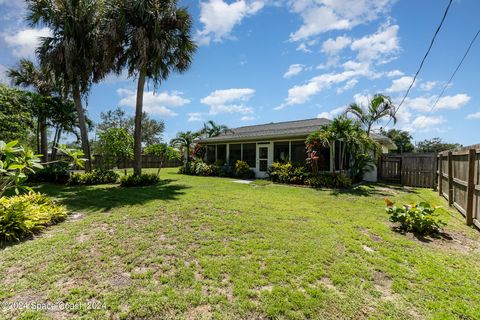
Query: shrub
point(146, 179)
point(243, 171)
point(56, 172)
point(97, 176)
point(226, 171)
point(419, 218)
point(203, 169)
point(287, 173)
point(329, 180)
point(24, 215)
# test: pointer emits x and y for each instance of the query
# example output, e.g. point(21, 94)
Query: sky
point(262, 61)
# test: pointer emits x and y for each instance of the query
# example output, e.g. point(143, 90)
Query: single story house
point(261, 145)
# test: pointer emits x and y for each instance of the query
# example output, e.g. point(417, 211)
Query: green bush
point(24, 215)
point(287, 173)
point(146, 179)
point(418, 218)
point(329, 180)
point(243, 171)
point(203, 169)
point(226, 171)
point(56, 172)
point(97, 176)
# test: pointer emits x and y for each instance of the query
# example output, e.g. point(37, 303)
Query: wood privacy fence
point(459, 181)
point(409, 169)
point(110, 162)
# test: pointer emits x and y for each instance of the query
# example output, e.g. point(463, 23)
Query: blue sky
point(277, 60)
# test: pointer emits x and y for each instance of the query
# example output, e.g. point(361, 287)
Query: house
point(261, 145)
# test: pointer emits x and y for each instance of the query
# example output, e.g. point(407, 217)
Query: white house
point(261, 145)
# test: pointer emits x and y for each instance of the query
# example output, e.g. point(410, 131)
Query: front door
point(263, 160)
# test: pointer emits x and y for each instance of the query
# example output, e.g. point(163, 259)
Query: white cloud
point(219, 18)
point(424, 104)
point(293, 70)
point(425, 123)
point(429, 85)
point(303, 47)
point(332, 113)
point(195, 116)
point(24, 42)
point(229, 101)
point(154, 103)
point(324, 15)
point(349, 85)
point(394, 73)
point(400, 84)
point(472, 116)
point(247, 118)
point(334, 46)
point(383, 44)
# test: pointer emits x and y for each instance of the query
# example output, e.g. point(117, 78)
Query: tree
point(212, 129)
point(152, 129)
point(435, 145)
point(151, 38)
point(163, 152)
point(73, 53)
point(16, 116)
point(116, 142)
point(402, 139)
point(184, 141)
point(378, 108)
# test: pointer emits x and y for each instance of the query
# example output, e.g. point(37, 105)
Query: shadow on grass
point(106, 197)
point(373, 189)
point(421, 237)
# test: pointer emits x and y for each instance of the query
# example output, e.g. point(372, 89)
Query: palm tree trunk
point(43, 136)
point(137, 147)
point(83, 128)
point(56, 141)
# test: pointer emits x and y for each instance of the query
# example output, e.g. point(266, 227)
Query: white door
point(263, 160)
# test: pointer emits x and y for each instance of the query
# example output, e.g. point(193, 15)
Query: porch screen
point(280, 151)
point(221, 153)
point(299, 155)
point(324, 159)
point(250, 153)
point(235, 153)
point(211, 153)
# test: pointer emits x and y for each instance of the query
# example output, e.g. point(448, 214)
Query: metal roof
point(279, 130)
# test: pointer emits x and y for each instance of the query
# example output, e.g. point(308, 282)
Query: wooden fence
point(459, 181)
point(409, 169)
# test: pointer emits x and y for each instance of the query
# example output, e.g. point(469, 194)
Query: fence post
point(450, 179)
point(440, 174)
point(470, 185)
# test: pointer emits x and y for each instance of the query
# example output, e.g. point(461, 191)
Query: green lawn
point(200, 248)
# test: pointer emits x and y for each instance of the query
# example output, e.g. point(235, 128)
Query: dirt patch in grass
point(199, 313)
point(383, 284)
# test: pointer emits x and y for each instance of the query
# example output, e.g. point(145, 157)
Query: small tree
point(163, 152)
point(116, 142)
point(435, 145)
point(184, 141)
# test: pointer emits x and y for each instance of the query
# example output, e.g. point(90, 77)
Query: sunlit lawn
point(197, 247)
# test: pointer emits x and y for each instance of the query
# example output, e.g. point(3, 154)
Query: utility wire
point(453, 75)
point(423, 61)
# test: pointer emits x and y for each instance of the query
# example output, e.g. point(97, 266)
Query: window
point(250, 153)
point(324, 159)
point(280, 151)
point(221, 153)
point(235, 153)
point(211, 153)
point(299, 155)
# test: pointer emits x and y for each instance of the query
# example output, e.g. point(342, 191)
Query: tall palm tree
point(73, 51)
point(27, 75)
point(151, 38)
point(379, 107)
point(184, 140)
point(213, 129)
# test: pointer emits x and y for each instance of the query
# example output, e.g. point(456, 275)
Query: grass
point(200, 248)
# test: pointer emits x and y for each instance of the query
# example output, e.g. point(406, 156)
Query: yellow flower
point(388, 202)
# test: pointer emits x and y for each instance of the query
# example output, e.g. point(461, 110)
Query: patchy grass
point(200, 248)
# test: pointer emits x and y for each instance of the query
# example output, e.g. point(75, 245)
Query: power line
point(423, 60)
point(453, 75)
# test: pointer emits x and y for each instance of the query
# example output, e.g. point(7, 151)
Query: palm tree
point(184, 140)
point(213, 129)
point(73, 51)
point(151, 38)
point(379, 107)
point(26, 75)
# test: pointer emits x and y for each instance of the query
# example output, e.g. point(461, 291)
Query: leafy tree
point(151, 38)
point(378, 108)
point(212, 129)
point(116, 142)
point(16, 118)
point(435, 145)
point(73, 53)
point(152, 129)
point(163, 152)
point(402, 139)
point(184, 141)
